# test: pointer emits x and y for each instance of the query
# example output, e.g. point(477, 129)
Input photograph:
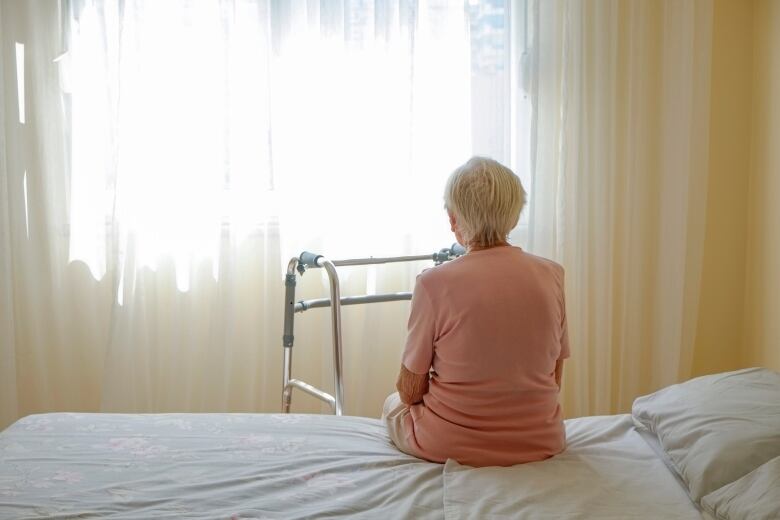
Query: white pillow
point(756, 496)
point(716, 429)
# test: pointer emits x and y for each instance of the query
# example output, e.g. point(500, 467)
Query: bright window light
point(338, 122)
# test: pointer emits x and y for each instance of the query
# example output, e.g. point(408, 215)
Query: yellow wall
point(719, 334)
point(762, 298)
point(739, 313)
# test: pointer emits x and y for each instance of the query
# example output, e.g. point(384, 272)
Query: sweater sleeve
point(565, 352)
point(418, 353)
point(411, 387)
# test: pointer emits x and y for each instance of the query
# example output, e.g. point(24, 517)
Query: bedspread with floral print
point(231, 466)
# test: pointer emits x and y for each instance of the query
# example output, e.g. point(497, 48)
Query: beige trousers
point(393, 415)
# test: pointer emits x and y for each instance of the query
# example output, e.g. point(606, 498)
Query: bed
point(242, 466)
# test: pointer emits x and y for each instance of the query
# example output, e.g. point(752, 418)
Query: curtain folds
point(621, 133)
point(179, 153)
point(143, 229)
point(8, 396)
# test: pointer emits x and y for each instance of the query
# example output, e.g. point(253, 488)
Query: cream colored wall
point(719, 338)
point(762, 298)
point(739, 314)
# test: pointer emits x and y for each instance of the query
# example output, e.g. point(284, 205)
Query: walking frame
point(335, 302)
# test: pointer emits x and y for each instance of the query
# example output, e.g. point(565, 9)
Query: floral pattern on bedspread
point(227, 466)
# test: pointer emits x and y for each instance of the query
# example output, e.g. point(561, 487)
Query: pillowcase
point(715, 429)
point(756, 496)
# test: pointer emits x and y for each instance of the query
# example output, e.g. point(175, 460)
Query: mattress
point(242, 466)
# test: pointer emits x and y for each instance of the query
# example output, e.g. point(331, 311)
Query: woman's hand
point(411, 387)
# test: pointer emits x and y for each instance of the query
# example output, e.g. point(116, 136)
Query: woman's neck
point(480, 247)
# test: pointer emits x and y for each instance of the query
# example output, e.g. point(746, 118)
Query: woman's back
point(492, 326)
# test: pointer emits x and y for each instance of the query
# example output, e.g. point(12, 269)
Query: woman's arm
point(411, 387)
point(417, 358)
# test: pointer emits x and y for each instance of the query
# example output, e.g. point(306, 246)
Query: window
point(336, 121)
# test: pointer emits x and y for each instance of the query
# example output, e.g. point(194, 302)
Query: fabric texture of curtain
point(620, 148)
point(8, 395)
point(179, 153)
point(176, 156)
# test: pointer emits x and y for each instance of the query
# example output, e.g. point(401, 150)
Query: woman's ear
point(453, 222)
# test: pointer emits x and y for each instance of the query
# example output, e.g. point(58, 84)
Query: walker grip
point(457, 249)
point(309, 259)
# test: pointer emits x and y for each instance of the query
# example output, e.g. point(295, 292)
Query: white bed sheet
point(242, 466)
point(231, 466)
point(607, 472)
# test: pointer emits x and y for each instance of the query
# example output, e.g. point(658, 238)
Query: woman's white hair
point(486, 198)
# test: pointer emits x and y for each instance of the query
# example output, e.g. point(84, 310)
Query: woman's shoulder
point(434, 273)
point(443, 274)
point(544, 262)
point(472, 265)
point(512, 255)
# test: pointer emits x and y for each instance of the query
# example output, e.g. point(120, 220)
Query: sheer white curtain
point(155, 178)
point(51, 313)
point(8, 396)
point(192, 119)
point(619, 147)
point(175, 155)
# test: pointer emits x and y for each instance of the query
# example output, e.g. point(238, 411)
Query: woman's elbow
point(405, 398)
point(411, 387)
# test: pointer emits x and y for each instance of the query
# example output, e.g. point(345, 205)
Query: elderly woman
point(482, 367)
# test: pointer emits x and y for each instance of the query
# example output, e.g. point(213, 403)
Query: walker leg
point(287, 389)
point(335, 310)
point(288, 338)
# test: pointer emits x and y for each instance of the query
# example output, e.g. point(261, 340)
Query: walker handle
point(457, 250)
point(309, 259)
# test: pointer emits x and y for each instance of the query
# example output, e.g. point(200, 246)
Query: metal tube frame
point(335, 302)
